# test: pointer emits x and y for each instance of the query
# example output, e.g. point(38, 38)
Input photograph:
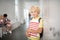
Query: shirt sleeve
point(41, 23)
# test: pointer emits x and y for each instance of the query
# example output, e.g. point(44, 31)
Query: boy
point(7, 23)
point(35, 27)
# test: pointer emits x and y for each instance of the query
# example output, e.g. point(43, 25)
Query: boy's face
point(34, 13)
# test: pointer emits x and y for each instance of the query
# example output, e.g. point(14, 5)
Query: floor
point(18, 34)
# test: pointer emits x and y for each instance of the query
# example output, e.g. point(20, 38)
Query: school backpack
point(41, 34)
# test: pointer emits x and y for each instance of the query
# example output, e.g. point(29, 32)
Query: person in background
point(35, 27)
point(7, 23)
point(29, 16)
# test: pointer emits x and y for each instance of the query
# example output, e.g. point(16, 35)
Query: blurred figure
point(36, 24)
point(7, 23)
point(30, 17)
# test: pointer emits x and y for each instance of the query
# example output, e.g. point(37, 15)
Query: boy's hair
point(5, 15)
point(35, 8)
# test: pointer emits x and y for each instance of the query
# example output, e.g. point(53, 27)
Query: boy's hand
point(39, 30)
point(27, 34)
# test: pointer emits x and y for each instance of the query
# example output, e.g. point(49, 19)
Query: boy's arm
point(27, 32)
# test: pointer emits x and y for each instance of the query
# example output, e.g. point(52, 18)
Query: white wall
point(51, 12)
point(8, 6)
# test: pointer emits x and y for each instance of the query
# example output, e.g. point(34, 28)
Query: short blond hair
point(35, 8)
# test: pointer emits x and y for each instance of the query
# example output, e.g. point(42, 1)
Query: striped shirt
point(34, 25)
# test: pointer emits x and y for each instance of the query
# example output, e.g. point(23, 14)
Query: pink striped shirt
point(33, 26)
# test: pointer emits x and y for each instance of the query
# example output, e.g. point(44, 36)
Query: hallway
point(18, 12)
